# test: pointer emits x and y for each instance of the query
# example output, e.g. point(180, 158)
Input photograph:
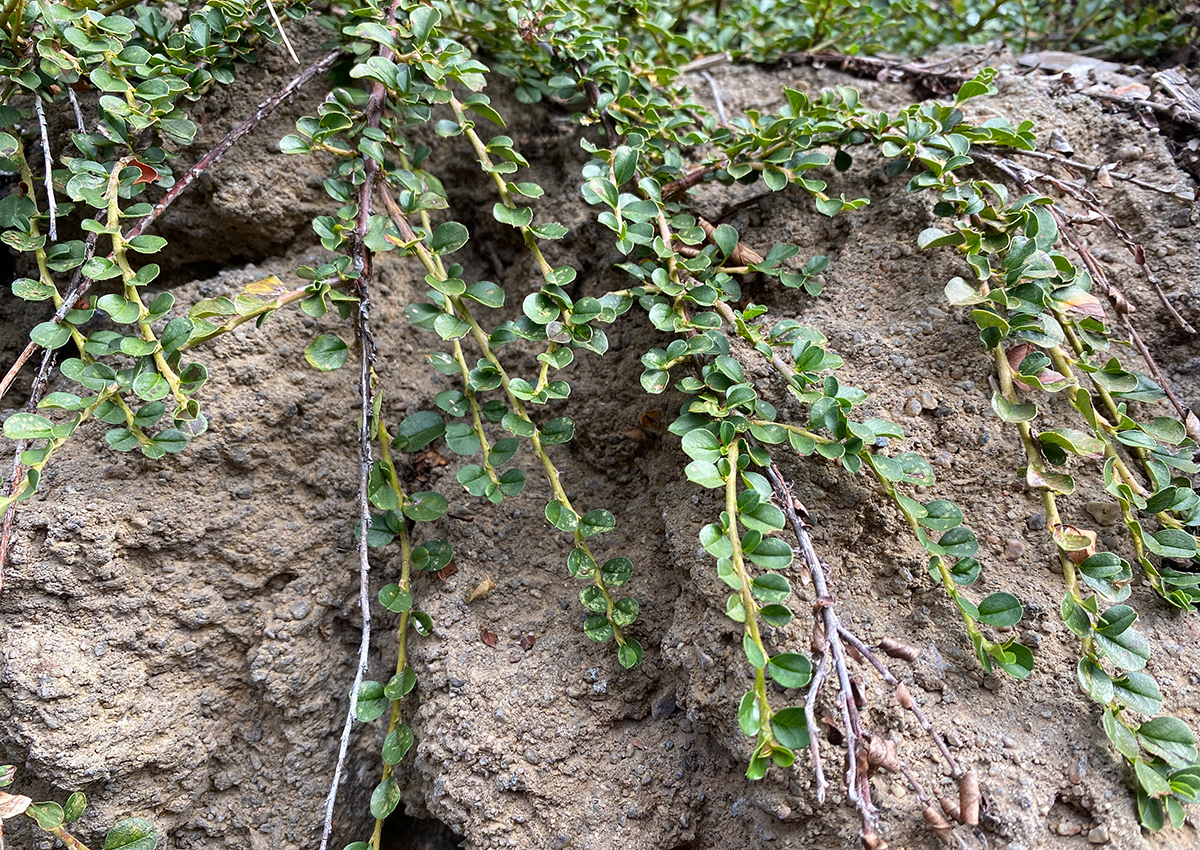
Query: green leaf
point(1152, 782)
point(771, 587)
point(1172, 543)
point(748, 715)
point(131, 834)
point(595, 522)
point(754, 653)
point(1139, 693)
point(371, 701)
point(630, 653)
point(448, 237)
point(941, 515)
point(151, 386)
point(598, 628)
point(616, 571)
point(518, 217)
point(486, 293)
point(790, 669)
point(425, 506)
point(400, 685)
point(1121, 736)
point(934, 238)
point(701, 444)
point(1012, 413)
point(791, 728)
point(51, 335)
point(1128, 649)
point(1093, 681)
point(47, 815)
point(625, 611)
point(147, 244)
point(396, 745)
point(73, 809)
point(772, 553)
point(327, 353)
point(1170, 738)
point(1000, 609)
point(386, 795)
point(394, 598)
point(418, 431)
point(561, 517)
point(28, 426)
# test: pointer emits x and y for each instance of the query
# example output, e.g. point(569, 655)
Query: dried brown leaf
point(968, 798)
point(12, 805)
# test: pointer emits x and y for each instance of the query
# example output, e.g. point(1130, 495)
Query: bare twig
point(282, 32)
point(1121, 306)
point(36, 392)
point(858, 788)
point(705, 63)
point(89, 249)
point(361, 256)
point(75, 106)
point(253, 120)
point(186, 180)
point(882, 69)
point(908, 703)
point(18, 469)
point(1067, 162)
point(51, 205)
point(810, 702)
point(716, 93)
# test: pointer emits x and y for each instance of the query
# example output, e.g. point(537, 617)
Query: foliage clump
point(1048, 317)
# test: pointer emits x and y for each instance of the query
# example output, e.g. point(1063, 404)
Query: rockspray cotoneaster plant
point(409, 73)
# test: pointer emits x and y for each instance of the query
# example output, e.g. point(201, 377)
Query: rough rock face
point(179, 636)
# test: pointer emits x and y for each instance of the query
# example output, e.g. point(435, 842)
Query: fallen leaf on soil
point(488, 637)
point(482, 589)
point(637, 742)
point(1132, 90)
point(896, 649)
point(968, 799)
point(12, 805)
point(528, 641)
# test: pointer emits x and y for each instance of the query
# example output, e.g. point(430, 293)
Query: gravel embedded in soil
point(179, 635)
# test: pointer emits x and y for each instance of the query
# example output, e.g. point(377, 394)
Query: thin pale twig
point(810, 717)
point(858, 788)
point(716, 93)
point(1116, 175)
point(282, 33)
point(186, 180)
point(51, 205)
point(361, 258)
point(75, 106)
point(887, 676)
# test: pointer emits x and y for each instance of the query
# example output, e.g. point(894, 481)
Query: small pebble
point(1035, 522)
point(928, 401)
point(1014, 549)
point(912, 407)
point(1105, 513)
point(1098, 835)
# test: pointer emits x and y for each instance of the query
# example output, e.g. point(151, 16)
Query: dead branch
point(1020, 175)
point(1126, 177)
point(48, 158)
point(186, 180)
point(858, 788)
point(361, 257)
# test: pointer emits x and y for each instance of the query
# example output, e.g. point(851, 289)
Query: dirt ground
point(179, 636)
